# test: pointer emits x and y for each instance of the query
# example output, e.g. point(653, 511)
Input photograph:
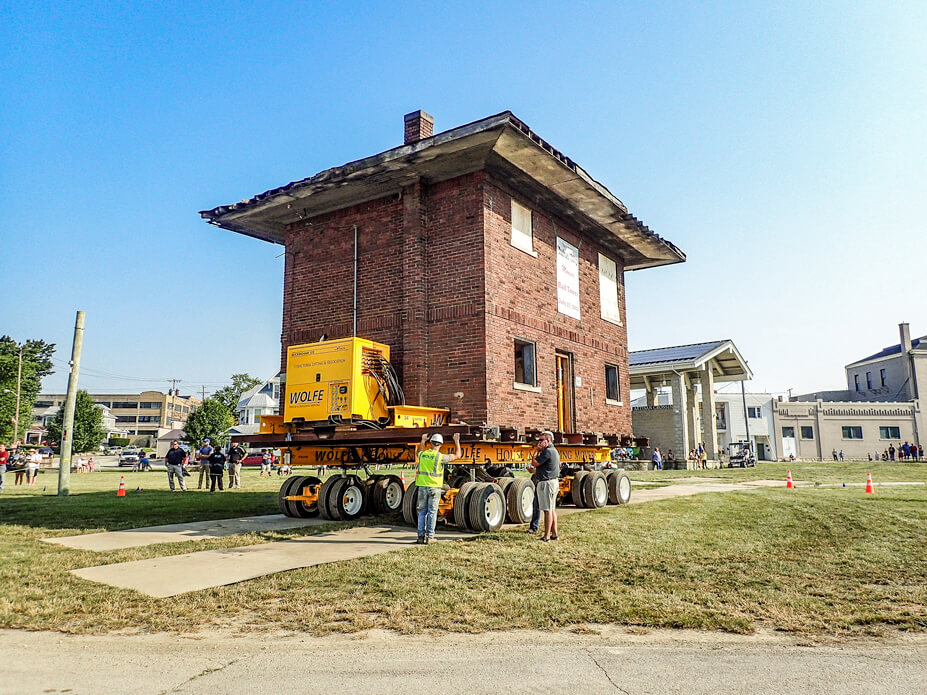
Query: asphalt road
point(613, 661)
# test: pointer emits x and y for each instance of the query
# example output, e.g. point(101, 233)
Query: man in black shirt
point(174, 460)
point(236, 456)
point(545, 464)
point(216, 468)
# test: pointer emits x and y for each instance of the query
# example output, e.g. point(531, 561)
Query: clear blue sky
point(782, 146)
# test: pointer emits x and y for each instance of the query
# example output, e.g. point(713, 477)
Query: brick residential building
point(490, 263)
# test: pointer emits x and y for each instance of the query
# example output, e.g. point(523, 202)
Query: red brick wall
point(420, 288)
point(521, 296)
point(422, 291)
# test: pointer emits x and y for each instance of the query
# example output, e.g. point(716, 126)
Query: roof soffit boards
point(501, 144)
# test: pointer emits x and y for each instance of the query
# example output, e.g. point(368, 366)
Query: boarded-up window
point(608, 290)
point(521, 228)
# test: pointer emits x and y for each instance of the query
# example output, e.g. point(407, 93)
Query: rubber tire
point(620, 483)
point(504, 483)
point(486, 494)
point(336, 500)
point(514, 499)
point(284, 491)
point(380, 492)
point(300, 510)
point(461, 504)
point(576, 488)
point(590, 483)
point(324, 510)
point(410, 506)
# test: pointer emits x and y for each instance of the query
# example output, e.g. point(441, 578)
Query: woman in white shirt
point(32, 467)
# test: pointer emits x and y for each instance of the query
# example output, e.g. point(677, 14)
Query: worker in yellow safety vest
point(429, 480)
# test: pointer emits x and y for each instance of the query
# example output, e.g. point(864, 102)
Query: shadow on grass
point(106, 511)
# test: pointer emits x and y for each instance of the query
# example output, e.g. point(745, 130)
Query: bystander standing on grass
point(236, 456)
point(174, 461)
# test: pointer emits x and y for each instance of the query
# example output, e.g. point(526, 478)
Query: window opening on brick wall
point(609, 300)
point(522, 237)
point(788, 432)
point(868, 380)
point(889, 432)
point(612, 388)
point(525, 363)
point(807, 432)
point(852, 432)
point(856, 381)
point(882, 376)
point(754, 412)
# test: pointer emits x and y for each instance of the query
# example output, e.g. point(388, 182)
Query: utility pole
point(743, 395)
point(204, 392)
point(167, 419)
point(67, 428)
point(19, 386)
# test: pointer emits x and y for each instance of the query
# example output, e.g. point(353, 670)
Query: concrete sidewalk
point(177, 533)
point(177, 574)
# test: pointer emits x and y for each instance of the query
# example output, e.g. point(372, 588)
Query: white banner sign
point(567, 278)
point(608, 290)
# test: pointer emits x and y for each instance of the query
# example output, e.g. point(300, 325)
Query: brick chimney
point(418, 126)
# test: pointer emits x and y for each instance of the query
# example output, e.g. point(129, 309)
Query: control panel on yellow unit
point(336, 381)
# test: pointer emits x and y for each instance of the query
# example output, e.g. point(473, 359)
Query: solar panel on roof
point(678, 353)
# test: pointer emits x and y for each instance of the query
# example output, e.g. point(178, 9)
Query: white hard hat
point(437, 439)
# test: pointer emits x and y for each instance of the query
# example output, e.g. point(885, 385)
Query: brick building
point(490, 262)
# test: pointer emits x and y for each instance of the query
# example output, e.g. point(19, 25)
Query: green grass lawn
point(809, 561)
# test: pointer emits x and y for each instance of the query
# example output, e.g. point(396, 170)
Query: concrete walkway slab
point(178, 574)
point(176, 533)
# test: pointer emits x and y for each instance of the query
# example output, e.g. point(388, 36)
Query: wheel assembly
point(576, 489)
point(460, 505)
point(347, 502)
point(486, 508)
point(520, 500)
point(284, 491)
point(386, 495)
point(410, 505)
point(325, 510)
point(298, 508)
point(595, 490)
point(619, 487)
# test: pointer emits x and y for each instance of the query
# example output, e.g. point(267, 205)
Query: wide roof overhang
point(723, 357)
point(501, 145)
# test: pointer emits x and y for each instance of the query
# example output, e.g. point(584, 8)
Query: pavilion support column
point(692, 414)
point(680, 418)
point(651, 396)
point(708, 412)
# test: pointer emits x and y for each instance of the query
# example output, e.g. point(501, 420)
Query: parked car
point(112, 451)
point(128, 457)
point(252, 460)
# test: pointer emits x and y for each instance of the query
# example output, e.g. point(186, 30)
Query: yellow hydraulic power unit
point(340, 381)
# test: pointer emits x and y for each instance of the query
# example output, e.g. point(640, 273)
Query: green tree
point(37, 363)
point(88, 424)
point(230, 395)
point(210, 419)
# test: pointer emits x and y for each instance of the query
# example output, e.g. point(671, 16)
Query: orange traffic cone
point(869, 488)
point(788, 480)
point(122, 487)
